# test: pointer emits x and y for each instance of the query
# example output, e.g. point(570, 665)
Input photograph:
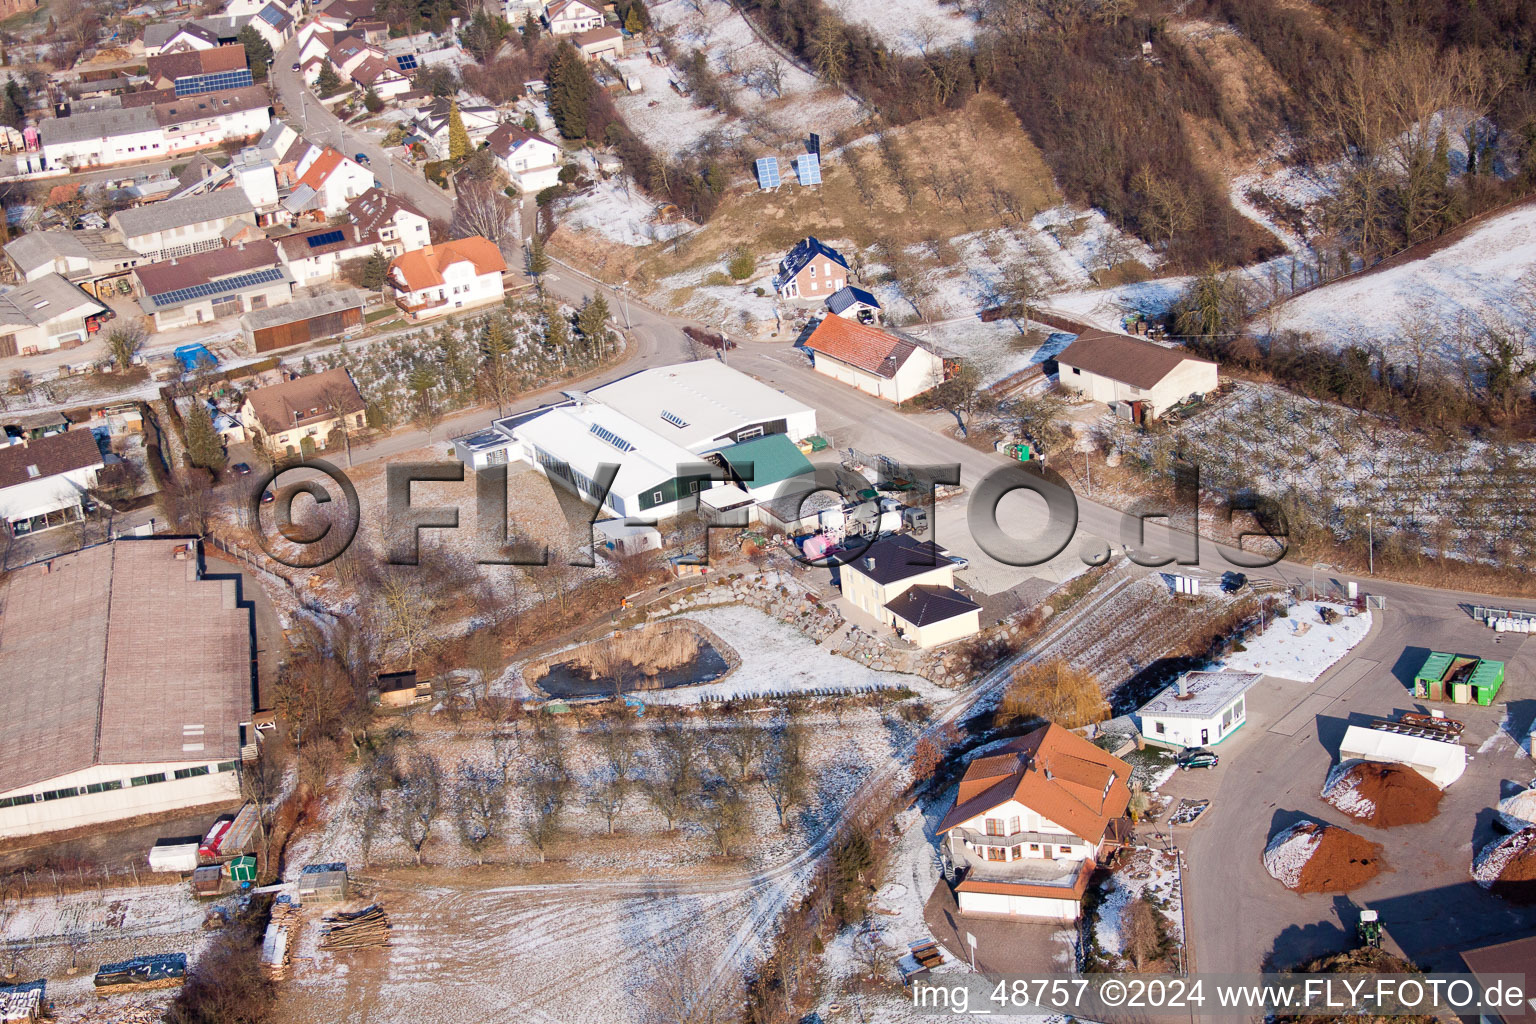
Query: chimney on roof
point(870, 563)
point(1183, 686)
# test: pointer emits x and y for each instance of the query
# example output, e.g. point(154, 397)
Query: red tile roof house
point(379, 221)
point(810, 272)
point(448, 277)
point(326, 182)
point(1031, 821)
point(874, 361)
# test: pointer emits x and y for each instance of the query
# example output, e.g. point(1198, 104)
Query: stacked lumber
point(277, 945)
point(357, 929)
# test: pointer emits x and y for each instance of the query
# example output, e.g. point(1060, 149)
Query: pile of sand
point(1508, 865)
point(1382, 794)
point(1311, 856)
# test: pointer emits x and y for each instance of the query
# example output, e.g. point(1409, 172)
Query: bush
point(568, 173)
point(549, 195)
point(437, 172)
point(759, 292)
point(715, 279)
point(741, 265)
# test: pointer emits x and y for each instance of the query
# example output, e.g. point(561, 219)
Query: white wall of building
point(462, 288)
point(922, 372)
point(116, 149)
point(1188, 378)
point(1181, 731)
point(211, 131)
point(1018, 906)
point(116, 804)
point(871, 597)
point(45, 494)
point(186, 240)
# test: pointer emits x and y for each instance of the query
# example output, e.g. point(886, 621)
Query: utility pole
point(1370, 543)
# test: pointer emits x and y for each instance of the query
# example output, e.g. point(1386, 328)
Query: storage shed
point(174, 855)
point(1458, 678)
point(397, 689)
point(294, 323)
point(323, 883)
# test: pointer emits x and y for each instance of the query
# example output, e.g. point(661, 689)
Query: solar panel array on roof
point(603, 433)
point(808, 169)
point(325, 238)
point(226, 286)
point(193, 85)
point(406, 62)
point(271, 15)
point(767, 172)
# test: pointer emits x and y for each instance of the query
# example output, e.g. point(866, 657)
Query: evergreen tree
point(592, 322)
point(376, 271)
point(13, 105)
point(538, 260)
point(638, 12)
point(496, 364)
point(373, 101)
point(258, 52)
point(329, 83)
point(204, 445)
point(570, 92)
point(557, 331)
point(458, 138)
point(632, 23)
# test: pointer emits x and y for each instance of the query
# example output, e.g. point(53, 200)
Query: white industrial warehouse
point(127, 682)
point(655, 426)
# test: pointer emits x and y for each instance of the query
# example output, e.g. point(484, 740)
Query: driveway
point(1272, 773)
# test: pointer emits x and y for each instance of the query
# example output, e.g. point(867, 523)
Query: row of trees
point(529, 786)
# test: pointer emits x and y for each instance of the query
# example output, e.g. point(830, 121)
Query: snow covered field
point(1301, 646)
point(1484, 280)
point(619, 214)
point(910, 26)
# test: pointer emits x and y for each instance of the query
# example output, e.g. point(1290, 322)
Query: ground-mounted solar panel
point(227, 286)
point(325, 238)
point(808, 169)
point(768, 172)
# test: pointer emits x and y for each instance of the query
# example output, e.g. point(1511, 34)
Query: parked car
point(1197, 758)
point(295, 66)
point(361, 158)
point(241, 469)
point(1232, 582)
point(267, 497)
point(958, 561)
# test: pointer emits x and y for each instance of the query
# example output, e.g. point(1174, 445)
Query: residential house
point(810, 272)
point(175, 37)
point(44, 314)
point(188, 72)
point(275, 23)
point(852, 303)
point(348, 51)
point(129, 681)
point(1199, 709)
point(1030, 821)
point(181, 227)
point(531, 161)
point(874, 361)
point(383, 76)
point(92, 258)
point(43, 481)
point(570, 17)
point(304, 319)
point(603, 43)
point(214, 118)
point(445, 277)
point(95, 138)
point(1139, 379)
point(431, 122)
point(398, 225)
point(326, 182)
point(1490, 965)
point(909, 585)
point(213, 285)
point(300, 415)
point(344, 13)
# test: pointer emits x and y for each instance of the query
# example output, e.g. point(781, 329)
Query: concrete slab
point(1004, 945)
point(1338, 684)
point(1302, 715)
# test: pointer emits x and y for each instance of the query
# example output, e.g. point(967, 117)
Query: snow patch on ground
point(1301, 646)
point(910, 26)
point(619, 214)
point(1287, 854)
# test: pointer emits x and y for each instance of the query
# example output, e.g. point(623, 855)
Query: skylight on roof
point(603, 433)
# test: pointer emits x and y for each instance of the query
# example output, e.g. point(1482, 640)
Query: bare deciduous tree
point(786, 778)
point(480, 805)
point(483, 209)
point(418, 802)
point(541, 814)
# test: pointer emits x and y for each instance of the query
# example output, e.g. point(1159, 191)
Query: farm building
point(765, 467)
point(128, 686)
point(1487, 963)
point(705, 404)
point(1138, 378)
point(294, 323)
point(1458, 678)
point(1030, 822)
point(1200, 709)
point(397, 689)
point(874, 361)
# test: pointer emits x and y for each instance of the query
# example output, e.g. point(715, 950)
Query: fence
point(1493, 617)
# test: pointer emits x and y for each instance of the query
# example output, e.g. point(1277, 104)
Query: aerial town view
point(767, 511)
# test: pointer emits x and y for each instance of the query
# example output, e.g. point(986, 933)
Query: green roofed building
point(761, 466)
point(1458, 678)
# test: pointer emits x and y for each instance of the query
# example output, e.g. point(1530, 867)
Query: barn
point(293, 323)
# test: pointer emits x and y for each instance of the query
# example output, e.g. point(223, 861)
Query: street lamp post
point(1370, 543)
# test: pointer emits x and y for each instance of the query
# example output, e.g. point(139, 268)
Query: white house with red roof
point(874, 361)
point(447, 277)
point(1030, 822)
point(529, 159)
point(569, 17)
point(383, 76)
point(380, 221)
point(325, 182)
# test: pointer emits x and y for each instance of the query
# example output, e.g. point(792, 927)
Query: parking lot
point(1272, 772)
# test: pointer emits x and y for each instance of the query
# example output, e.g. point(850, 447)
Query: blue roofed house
point(852, 303)
point(811, 272)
